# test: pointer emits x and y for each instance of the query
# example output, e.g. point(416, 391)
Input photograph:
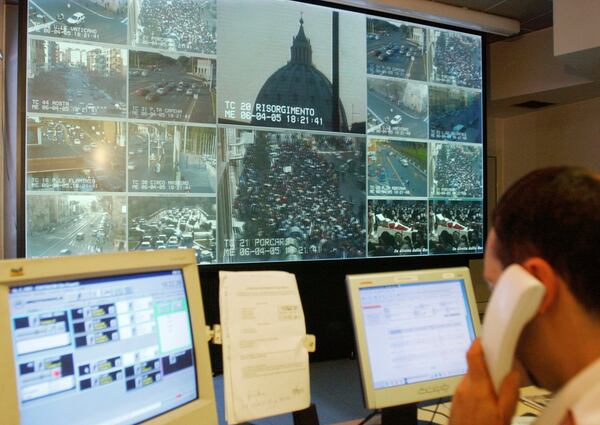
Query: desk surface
point(337, 394)
point(443, 411)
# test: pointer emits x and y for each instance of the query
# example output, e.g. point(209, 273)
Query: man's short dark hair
point(554, 213)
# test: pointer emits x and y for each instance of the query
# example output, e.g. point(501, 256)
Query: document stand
point(306, 416)
point(400, 415)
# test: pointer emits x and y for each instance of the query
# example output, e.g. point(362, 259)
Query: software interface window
point(416, 332)
point(124, 340)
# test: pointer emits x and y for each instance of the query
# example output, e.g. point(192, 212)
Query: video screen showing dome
point(250, 131)
point(291, 65)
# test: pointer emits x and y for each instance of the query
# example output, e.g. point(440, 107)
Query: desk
point(336, 392)
point(443, 411)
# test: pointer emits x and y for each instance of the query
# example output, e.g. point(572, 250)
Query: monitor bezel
point(419, 391)
point(26, 272)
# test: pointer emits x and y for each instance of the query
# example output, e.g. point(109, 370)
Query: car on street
point(77, 19)
point(141, 92)
point(173, 242)
point(131, 165)
point(382, 176)
point(396, 120)
point(65, 251)
point(79, 236)
point(145, 246)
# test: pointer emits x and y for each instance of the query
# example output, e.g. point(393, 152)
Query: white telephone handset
point(514, 301)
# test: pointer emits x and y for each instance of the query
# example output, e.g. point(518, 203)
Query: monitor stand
point(400, 415)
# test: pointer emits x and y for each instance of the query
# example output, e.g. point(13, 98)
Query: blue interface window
point(105, 351)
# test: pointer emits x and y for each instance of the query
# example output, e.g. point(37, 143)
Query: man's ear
point(545, 273)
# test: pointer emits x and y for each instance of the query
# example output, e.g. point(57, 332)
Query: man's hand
point(475, 402)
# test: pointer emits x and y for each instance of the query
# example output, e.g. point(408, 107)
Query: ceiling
point(532, 14)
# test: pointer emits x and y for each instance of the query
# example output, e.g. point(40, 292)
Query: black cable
point(435, 412)
point(369, 416)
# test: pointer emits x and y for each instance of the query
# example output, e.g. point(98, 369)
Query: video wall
point(251, 131)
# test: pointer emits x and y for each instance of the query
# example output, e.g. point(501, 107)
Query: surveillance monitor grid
point(259, 130)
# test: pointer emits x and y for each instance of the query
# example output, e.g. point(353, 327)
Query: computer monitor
point(110, 339)
point(413, 329)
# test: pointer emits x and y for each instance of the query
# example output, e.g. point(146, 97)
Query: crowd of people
point(329, 143)
point(297, 196)
point(457, 60)
point(191, 26)
point(455, 226)
point(457, 171)
point(411, 214)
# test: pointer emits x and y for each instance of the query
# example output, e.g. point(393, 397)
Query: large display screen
point(251, 131)
point(111, 350)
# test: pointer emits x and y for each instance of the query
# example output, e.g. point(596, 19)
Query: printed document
point(265, 362)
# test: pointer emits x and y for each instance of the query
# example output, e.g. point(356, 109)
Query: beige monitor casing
point(23, 272)
point(410, 393)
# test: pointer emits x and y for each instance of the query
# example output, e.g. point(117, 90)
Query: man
point(549, 223)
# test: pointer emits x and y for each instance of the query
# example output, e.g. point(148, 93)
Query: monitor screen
point(122, 342)
point(107, 350)
point(250, 131)
point(413, 331)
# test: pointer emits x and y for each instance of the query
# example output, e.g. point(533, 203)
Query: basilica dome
point(298, 90)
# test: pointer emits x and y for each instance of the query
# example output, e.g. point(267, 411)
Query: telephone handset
point(513, 303)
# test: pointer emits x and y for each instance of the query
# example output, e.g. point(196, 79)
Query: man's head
point(554, 214)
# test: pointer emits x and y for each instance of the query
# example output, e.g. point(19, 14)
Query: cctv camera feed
point(76, 79)
point(397, 168)
point(250, 131)
point(75, 155)
point(397, 228)
point(397, 108)
point(171, 158)
point(396, 49)
point(455, 227)
point(454, 114)
point(294, 196)
point(175, 25)
point(455, 171)
point(309, 76)
point(73, 224)
point(455, 59)
point(103, 21)
point(171, 87)
point(173, 222)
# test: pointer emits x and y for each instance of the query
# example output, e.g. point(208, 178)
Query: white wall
point(527, 65)
point(560, 135)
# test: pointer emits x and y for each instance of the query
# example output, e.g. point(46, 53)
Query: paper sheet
point(265, 362)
